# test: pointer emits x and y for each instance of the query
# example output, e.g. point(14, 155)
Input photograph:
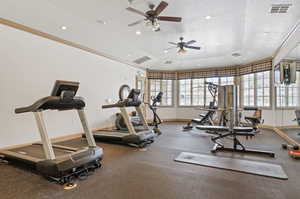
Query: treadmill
point(133, 137)
point(56, 162)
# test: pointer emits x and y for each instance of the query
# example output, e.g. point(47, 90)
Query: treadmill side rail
point(47, 146)
point(87, 131)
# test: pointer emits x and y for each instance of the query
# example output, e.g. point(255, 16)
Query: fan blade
point(173, 43)
point(160, 7)
point(173, 19)
point(193, 47)
point(136, 23)
point(190, 42)
point(136, 11)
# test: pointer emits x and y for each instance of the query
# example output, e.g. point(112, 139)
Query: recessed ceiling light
point(129, 55)
point(166, 51)
point(101, 21)
point(63, 27)
point(138, 32)
point(266, 33)
point(207, 17)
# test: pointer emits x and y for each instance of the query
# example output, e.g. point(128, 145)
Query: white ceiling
point(243, 26)
point(295, 53)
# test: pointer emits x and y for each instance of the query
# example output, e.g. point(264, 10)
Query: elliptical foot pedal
point(70, 186)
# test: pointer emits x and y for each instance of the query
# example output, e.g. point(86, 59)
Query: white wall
point(29, 67)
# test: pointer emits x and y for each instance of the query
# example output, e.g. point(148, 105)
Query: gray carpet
point(128, 173)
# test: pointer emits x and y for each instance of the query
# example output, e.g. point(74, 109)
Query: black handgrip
point(110, 106)
point(23, 109)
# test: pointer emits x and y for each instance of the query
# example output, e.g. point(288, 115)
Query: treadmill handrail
point(53, 103)
point(35, 106)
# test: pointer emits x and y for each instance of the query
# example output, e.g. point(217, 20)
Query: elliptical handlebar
point(157, 99)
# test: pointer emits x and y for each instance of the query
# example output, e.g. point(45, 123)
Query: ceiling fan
point(181, 45)
point(152, 16)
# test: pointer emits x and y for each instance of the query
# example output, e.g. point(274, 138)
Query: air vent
point(168, 62)
point(142, 60)
point(280, 8)
point(236, 54)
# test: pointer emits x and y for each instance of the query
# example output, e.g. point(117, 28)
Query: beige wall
point(29, 66)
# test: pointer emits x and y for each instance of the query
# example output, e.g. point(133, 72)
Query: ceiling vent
point(279, 8)
point(142, 60)
point(168, 62)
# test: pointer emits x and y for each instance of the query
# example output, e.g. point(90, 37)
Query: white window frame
point(161, 89)
point(255, 97)
point(286, 96)
point(205, 92)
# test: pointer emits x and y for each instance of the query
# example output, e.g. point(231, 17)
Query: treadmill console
point(65, 88)
point(134, 95)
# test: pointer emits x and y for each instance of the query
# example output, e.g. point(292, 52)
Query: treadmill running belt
point(37, 151)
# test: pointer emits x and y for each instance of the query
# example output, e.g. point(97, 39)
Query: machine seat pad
point(253, 119)
point(196, 120)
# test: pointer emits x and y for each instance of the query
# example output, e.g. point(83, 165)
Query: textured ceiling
point(243, 26)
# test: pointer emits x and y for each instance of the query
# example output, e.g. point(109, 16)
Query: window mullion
point(191, 92)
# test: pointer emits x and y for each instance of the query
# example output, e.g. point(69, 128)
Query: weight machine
point(228, 104)
point(207, 118)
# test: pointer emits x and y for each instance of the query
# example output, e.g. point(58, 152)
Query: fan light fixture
point(181, 51)
point(154, 25)
point(152, 16)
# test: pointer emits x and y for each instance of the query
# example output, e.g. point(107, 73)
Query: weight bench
point(256, 119)
point(204, 118)
point(225, 131)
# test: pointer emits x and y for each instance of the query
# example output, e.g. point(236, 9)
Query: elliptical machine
point(153, 107)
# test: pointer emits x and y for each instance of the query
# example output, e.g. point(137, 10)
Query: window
point(185, 92)
point(263, 89)
point(288, 96)
point(198, 90)
point(191, 92)
point(194, 92)
point(226, 81)
point(256, 89)
point(248, 88)
point(165, 86)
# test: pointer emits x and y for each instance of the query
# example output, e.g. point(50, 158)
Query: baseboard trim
point(284, 136)
point(288, 127)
